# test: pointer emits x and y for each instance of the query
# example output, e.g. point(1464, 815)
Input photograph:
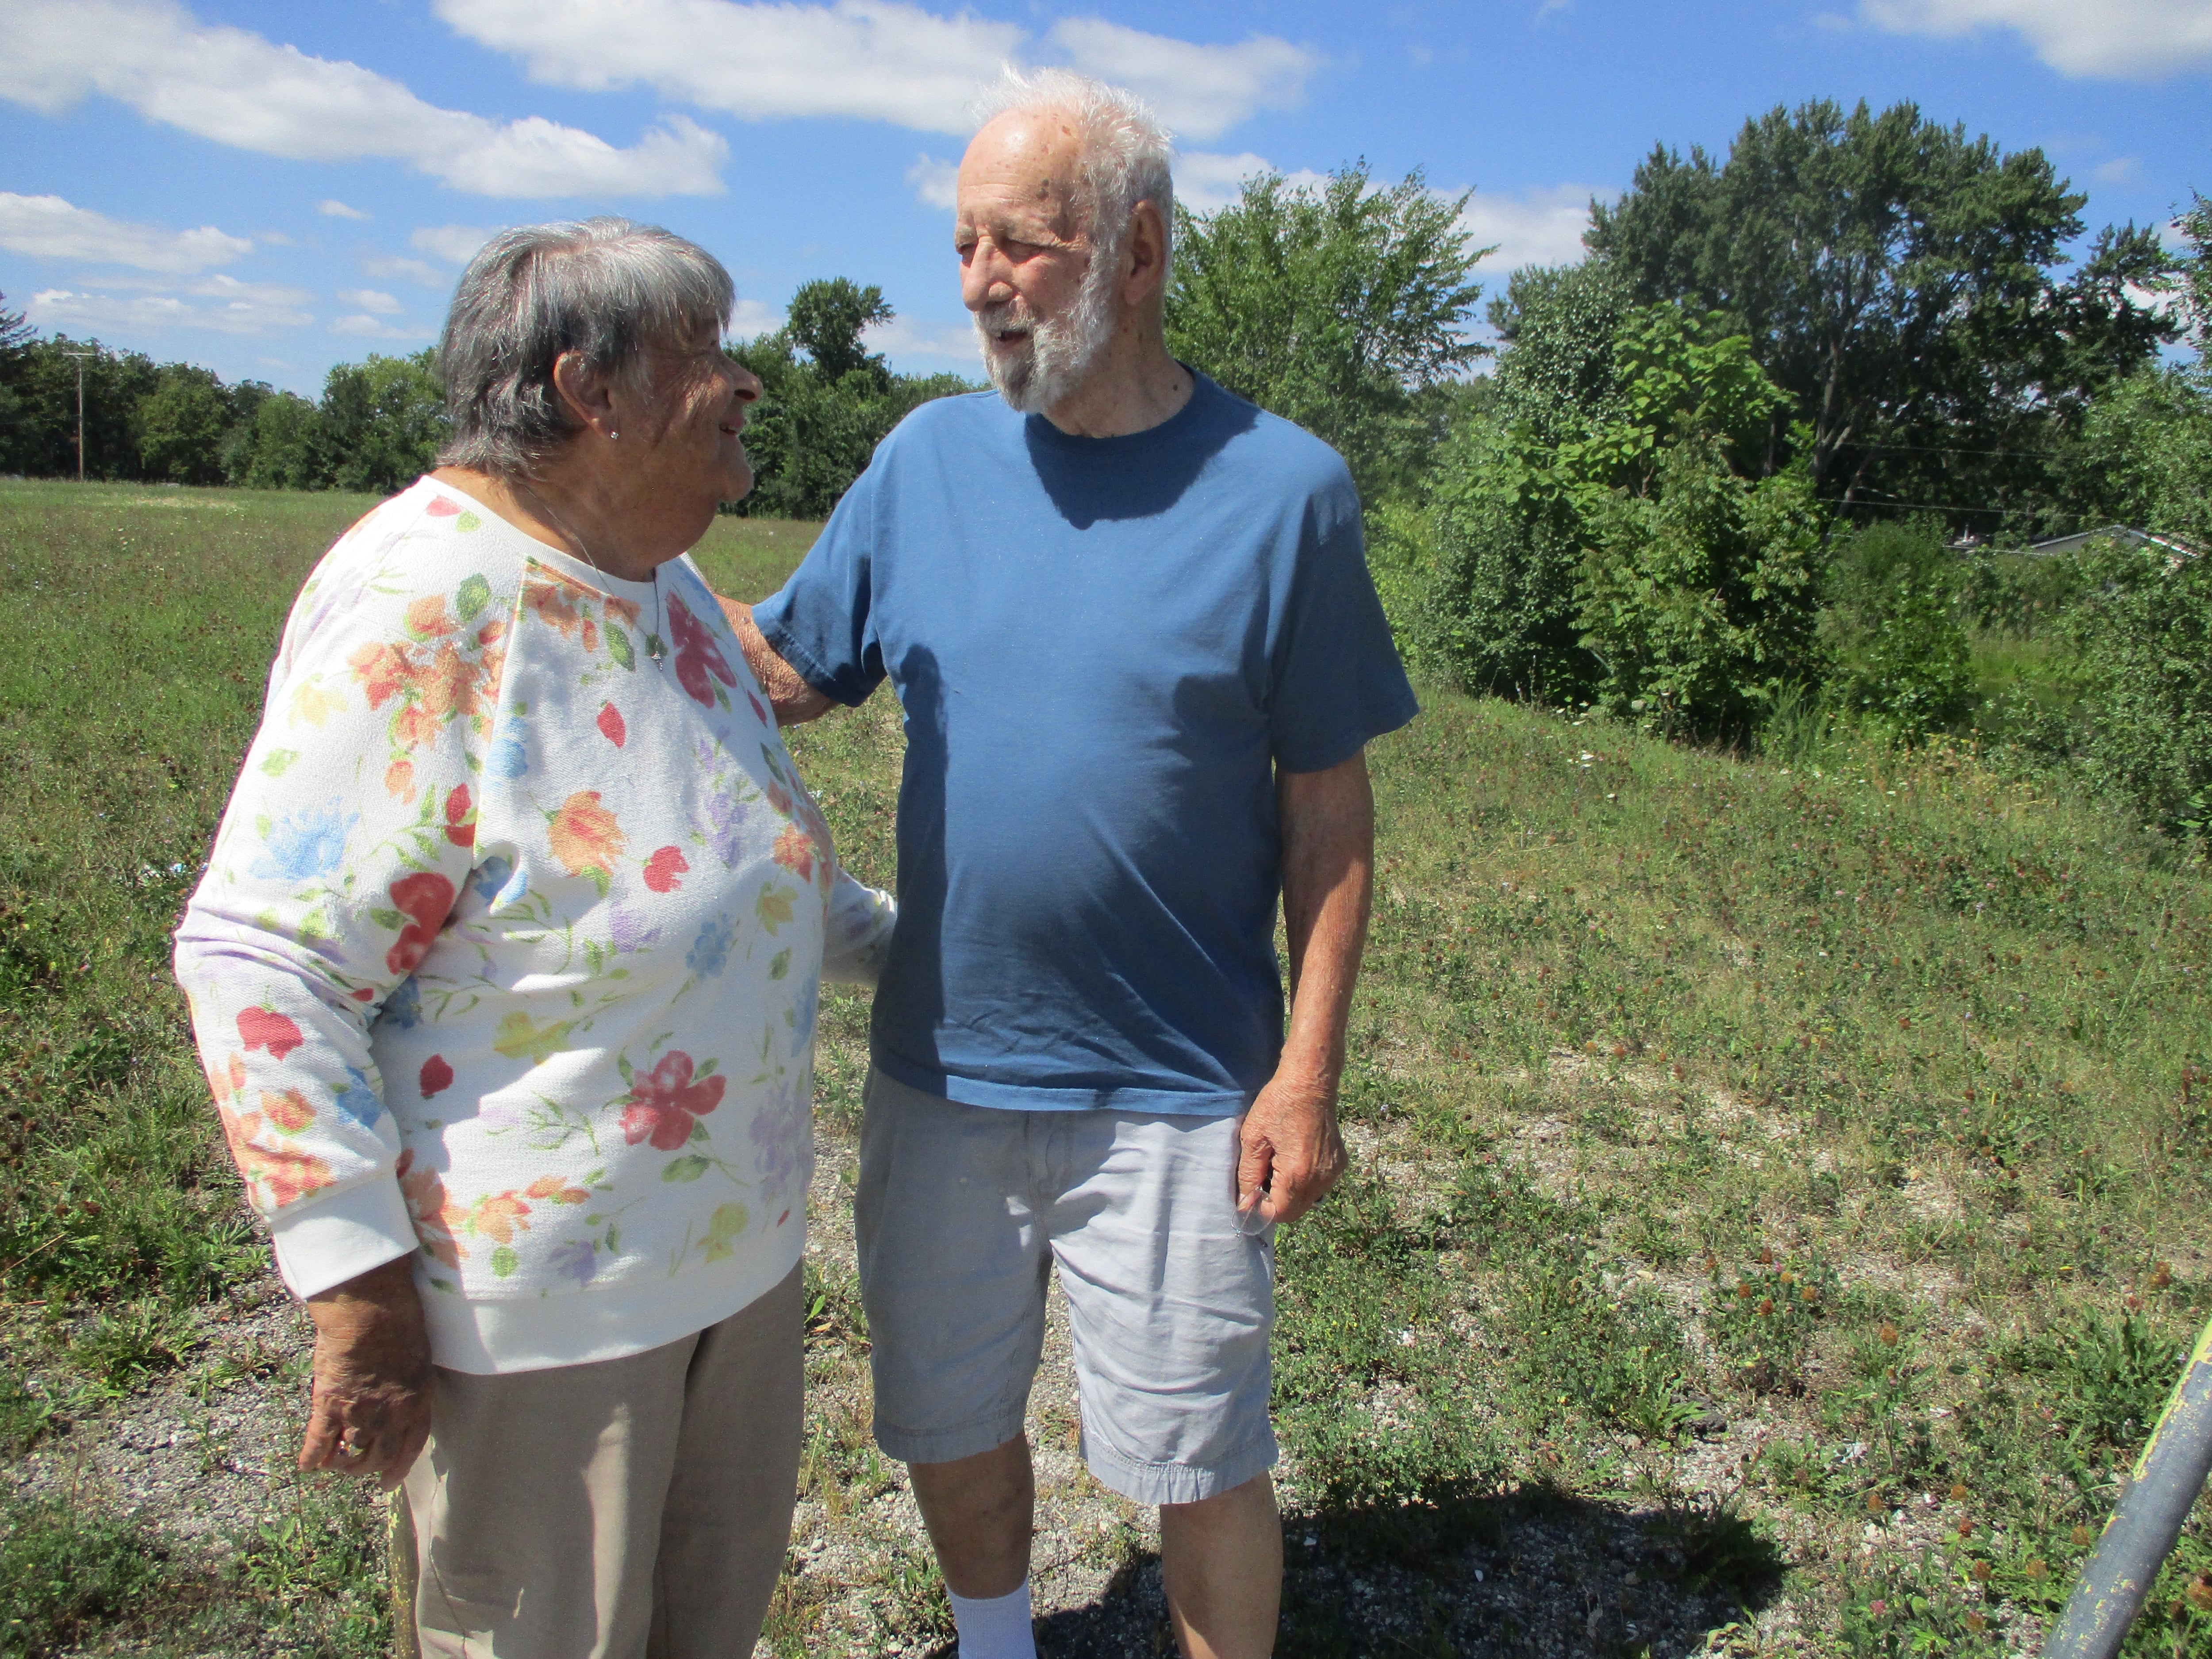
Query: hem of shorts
point(980, 1434)
point(1179, 1483)
point(1018, 1097)
point(490, 1338)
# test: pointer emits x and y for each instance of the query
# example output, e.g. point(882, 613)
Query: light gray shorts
point(961, 1211)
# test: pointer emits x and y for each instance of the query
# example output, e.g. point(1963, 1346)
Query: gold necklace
point(655, 647)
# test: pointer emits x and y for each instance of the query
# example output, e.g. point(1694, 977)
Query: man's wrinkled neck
point(1135, 386)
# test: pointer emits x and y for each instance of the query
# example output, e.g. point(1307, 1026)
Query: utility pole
point(80, 357)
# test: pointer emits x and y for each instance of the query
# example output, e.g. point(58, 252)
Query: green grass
point(1787, 1179)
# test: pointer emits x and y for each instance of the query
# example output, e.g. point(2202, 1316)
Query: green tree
point(181, 426)
point(280, 448)
point(382, 421)
point(1336, 307)
point(1900, 282)
point(2144, 456)
point(814, 431)
point(825, 320)
point(42, 443)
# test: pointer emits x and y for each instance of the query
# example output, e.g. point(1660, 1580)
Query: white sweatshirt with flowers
point(508, 953)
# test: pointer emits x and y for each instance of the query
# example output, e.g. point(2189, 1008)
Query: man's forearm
point(794, 701)
point(1328, 874)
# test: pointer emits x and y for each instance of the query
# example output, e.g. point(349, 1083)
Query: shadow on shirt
point(1087, 485)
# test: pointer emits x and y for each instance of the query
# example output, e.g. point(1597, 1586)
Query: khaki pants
point(638, 1506)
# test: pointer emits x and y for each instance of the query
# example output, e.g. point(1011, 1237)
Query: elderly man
point(1129, 619)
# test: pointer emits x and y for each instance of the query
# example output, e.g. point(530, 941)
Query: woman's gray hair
point(605, 289)
point(1128, 157)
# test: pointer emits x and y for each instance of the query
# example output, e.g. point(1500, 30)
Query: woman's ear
point(587, 394)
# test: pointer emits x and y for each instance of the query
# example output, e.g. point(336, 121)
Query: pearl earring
point(611, 436)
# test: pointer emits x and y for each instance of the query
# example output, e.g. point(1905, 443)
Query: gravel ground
point(206, 1452)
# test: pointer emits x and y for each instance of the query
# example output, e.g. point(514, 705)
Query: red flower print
point(429, 1208)
point(426, 898)
point(443, 507)
point(794, 851)
point(436, 1077)
point(289, 1110)
point(611, 726)
point(663, 868)
point(261, 1028)
point(460, 817)
point(697, 655)
point(663, 1103)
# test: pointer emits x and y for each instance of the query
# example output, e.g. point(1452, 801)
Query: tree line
point(1749, 468)
point(826, 403)
point(1747, 473)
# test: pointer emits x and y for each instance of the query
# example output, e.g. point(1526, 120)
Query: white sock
point(997, 1628)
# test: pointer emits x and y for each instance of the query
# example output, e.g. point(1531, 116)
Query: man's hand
point(1289, 1152)
point(370, 1411)
point(794, 701)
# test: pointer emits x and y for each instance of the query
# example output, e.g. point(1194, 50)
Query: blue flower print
point(307, 845)
point(802, 1012)
point(508, 759)
point(357, 1100)
point(487, 877)
point(576, 1259)
point(403, 1009)
point(710, 952)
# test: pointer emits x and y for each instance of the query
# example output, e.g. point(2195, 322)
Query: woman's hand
point(370, 1412)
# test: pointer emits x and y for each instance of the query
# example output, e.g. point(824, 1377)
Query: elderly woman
point(504, 973)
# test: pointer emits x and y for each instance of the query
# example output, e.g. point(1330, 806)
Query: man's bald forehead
point(1047, 142)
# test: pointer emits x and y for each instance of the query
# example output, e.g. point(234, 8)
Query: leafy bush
point(1892, 620)
point(2143, 632)
point(1762, 1320)
point(1699, 602)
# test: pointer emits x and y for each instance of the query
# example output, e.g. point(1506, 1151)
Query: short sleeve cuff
point(327, 1241)
point(1319, 753)
point(769, 616)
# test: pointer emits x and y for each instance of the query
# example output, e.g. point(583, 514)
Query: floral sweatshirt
point(508, 952)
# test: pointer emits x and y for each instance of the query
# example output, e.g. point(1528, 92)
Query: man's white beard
point(1060, 352)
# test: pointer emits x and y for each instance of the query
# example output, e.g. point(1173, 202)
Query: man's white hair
point(1128, 157)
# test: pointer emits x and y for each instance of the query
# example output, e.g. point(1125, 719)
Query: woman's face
point(690, 420)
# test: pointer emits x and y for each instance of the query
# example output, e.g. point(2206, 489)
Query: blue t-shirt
point(1104, 647)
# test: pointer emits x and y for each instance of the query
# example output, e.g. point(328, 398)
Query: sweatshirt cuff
point(331, 1240)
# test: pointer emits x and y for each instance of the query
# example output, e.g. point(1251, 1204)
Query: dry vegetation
point(1777, 1205)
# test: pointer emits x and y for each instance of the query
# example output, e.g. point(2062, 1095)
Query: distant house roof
point(2114, 532)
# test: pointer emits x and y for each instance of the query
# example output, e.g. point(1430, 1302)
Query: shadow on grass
point(1531, 1571)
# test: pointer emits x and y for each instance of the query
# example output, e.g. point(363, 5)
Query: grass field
point(1778, 1205)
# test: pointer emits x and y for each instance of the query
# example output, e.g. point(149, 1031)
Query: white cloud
point(2119, 40)
point(872, 60)
point(748, 318)
point(216, 287)
point(1206, 183)
point(366, 328)
point(1199, 91)
point(334, 209)
point(935, 181)
point(394, 264)
point(370, 299)
point(455, 244)
point(2122, 170)
point(65, 308)
point(48, 228)
point(1539, 226)
point(904, 337)
point(236, 87)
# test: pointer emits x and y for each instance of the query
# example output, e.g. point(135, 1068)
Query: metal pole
point(80, 357)
point(2160, 1494)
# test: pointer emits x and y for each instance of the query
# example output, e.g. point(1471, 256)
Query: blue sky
point(270, 189)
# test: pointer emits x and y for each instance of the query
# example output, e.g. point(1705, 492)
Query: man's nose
point(983, 279)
